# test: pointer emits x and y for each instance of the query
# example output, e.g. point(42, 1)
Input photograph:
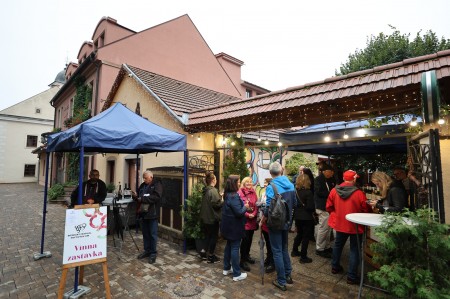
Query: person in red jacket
point(344, 199)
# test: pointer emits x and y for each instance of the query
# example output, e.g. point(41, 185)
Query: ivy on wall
point(81, 112)
point(235, 161)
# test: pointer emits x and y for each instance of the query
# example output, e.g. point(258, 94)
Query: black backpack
point(278, 211)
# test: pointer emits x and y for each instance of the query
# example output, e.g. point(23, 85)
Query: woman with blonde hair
point(393, 194)
point(248, 195)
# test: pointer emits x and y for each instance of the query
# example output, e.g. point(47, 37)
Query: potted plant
point(192, 227)
point(414, 256)
point(110, 187)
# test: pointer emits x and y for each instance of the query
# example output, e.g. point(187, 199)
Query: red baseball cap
point(350, 175)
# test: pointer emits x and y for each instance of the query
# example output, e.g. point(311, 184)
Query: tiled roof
point(383, 90)
point(180, 96)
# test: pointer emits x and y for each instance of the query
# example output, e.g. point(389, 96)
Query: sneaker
point(152, 260)
point(250, 260)
point(323, 253)
point(244, 266)
point(289, 279)
point(337, 270)
point(213, 259)
point(240, 277)
point(305, 260)
point(202, 255)
point(270, 268)
point(278, 285)
point(295, 253)
point(353, 281)
point(143, 255)
point(226, 272)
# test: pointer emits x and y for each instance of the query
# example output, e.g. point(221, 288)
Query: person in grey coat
point(210, 214)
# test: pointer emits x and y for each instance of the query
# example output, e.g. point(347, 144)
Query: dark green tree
point(389, 48)
point(414, 256)
point(235, 159)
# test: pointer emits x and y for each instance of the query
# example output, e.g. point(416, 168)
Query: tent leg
point(185, 178)
point(42, 254)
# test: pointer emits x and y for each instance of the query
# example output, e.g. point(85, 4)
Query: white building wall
point(32, 116)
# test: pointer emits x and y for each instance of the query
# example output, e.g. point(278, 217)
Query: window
point(30, 170)
point(31, 141)
point(248, 93)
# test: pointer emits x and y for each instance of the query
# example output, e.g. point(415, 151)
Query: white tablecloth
point(109, 201)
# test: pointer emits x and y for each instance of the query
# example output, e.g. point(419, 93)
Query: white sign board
point(85, 235)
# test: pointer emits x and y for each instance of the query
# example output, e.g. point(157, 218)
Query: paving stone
point(174, 271)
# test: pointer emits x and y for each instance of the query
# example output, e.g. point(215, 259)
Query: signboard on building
point(85, 235)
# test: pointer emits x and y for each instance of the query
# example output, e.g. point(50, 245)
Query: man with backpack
point(279, 204)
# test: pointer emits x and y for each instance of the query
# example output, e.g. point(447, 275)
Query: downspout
point(97, 83)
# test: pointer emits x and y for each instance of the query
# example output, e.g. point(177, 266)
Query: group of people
point(321, 202)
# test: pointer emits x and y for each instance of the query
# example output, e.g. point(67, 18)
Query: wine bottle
point(119, 193)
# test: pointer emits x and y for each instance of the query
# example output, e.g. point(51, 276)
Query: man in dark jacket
point(323, 184)
point(93, 190)
point(149, 199)
point(279, 238)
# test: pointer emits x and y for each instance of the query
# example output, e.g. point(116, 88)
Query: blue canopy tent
point(388, 138)
point(115, 130)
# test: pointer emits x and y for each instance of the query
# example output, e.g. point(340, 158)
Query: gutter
point(182, 120)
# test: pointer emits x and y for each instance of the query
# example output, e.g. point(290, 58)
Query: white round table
point(369, 219)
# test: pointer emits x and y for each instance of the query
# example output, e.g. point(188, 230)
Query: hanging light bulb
point(345, 132)
point(266, 142)
point(233, 143)
point(413, 122)
point(441, 121)
point(279, 143)
point(198, 138)
point(238, 134)
point(327, 138)
point(259, 136)
point(361, 130)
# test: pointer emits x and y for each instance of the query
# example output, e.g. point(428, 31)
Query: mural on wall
point(258, 163)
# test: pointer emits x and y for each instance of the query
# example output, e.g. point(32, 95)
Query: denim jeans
point(150, 235)
point(279, 243)
point(231, 257)
point(339, 243)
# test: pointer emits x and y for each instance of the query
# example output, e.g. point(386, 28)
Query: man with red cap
point(344, 199)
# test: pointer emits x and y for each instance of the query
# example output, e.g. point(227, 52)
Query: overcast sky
point(282, 43)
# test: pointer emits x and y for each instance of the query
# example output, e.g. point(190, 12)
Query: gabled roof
point(383, 90)
point(180, 97)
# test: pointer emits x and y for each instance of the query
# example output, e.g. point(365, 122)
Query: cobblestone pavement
point(174, 275)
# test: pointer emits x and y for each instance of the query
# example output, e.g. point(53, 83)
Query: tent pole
point(80, 201)
point(42, 254)
point(185, 178)
point(137, 172)
point(281, 155)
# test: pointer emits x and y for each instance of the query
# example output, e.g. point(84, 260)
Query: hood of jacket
point(206, 189)
point(344, 190)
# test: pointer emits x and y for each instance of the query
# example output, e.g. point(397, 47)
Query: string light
point(279, 143)
point(345, 132)
point(266, 142)
point(413, 122)
point(441, 121)
point(198, 138)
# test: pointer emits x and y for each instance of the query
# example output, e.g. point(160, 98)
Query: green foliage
point(415, 258)
point(73, 166)
point(298, 159)
point(192, 227)
point(81, 101)
point(235, 161)
point(110, 187)
point(385, 49)
point(381, 162)
point(55, 191)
